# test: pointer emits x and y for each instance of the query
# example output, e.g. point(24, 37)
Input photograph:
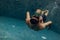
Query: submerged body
point(38, 19)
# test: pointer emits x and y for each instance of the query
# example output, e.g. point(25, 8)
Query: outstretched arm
point(47, 23)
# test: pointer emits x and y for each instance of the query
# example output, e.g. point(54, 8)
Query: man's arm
point(47, 23)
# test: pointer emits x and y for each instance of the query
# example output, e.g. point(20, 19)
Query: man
point(38, 19)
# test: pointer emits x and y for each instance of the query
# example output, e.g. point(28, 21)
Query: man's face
point(38, 11)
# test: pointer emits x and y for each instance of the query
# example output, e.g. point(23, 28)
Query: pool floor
point(13, 29)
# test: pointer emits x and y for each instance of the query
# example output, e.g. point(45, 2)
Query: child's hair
point(34, 21)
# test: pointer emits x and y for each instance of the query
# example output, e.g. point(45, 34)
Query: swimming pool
point(13, 29)
point(12, 19)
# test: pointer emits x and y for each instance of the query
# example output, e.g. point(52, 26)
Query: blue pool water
point(12, 19)
point(13, 29)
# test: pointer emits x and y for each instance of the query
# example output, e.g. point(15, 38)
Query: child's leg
point(42, 12)
point(46, 12)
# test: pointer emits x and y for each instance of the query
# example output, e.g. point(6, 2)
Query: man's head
point(38, 11)
point(34, 21)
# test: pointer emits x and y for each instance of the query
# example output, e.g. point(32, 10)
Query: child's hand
point(27, 11)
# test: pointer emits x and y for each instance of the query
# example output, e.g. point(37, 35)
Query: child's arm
point(27, 17)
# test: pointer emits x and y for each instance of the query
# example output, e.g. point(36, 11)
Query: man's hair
point(34, 21)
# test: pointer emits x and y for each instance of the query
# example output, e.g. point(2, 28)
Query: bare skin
point(28, 18)
point(41, 24)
